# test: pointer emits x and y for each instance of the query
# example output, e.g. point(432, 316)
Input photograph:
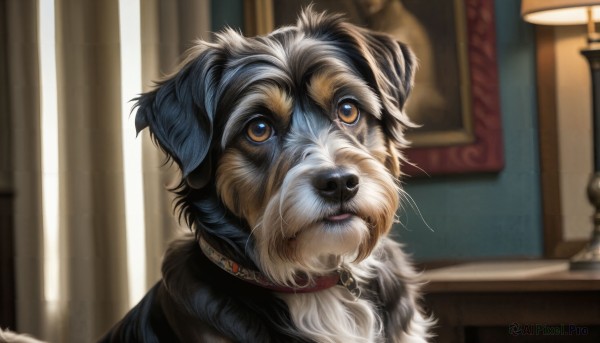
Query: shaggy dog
point(289, 149)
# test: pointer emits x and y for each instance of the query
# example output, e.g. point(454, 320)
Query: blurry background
point(80, 244)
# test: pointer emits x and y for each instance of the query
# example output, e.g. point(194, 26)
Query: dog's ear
point(180, 113)
point(392, 66)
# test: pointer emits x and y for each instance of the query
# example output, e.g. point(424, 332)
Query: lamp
point(572, 12)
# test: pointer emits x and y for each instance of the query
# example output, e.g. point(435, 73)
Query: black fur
point(204, 295)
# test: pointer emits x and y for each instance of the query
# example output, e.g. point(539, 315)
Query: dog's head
point(289, 143)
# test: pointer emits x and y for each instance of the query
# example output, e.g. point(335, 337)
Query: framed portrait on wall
point(455, 97)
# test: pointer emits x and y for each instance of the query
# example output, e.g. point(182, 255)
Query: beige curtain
point(169, 28)
point(93, 250)
point(24, 101)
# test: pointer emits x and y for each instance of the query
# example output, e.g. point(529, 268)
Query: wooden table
point(516, 301)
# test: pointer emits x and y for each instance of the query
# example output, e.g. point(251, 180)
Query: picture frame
point(461, 133)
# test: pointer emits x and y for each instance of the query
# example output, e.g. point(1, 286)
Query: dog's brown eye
point(259, 130)
point(348, 112)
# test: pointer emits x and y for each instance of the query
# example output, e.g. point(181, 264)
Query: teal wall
point(488, 215)
point(476, 216)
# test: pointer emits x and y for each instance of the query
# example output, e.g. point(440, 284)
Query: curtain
point(92, 273)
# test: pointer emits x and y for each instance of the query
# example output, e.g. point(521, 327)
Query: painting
point(455, 99)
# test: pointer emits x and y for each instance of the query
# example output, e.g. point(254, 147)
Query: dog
point(289, 147)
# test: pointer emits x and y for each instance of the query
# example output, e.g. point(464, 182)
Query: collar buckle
point(349, 282)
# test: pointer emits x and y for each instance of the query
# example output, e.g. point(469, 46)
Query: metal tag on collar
point(347, 280)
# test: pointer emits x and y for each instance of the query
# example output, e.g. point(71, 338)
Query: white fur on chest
point(334, 316)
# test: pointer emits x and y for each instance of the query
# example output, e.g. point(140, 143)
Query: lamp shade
point(559, 12)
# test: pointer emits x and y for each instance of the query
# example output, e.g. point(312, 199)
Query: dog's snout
point(336, 184)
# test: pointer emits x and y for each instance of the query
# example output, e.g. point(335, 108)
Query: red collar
point(341, 277)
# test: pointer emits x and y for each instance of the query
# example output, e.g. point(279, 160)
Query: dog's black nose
point(336, 184)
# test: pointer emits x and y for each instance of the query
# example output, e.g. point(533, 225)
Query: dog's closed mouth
point(339, 217)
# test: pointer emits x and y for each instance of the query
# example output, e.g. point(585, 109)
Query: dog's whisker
point(413, 204)
point(414, 165)
point(396, 218)
point(250, 237)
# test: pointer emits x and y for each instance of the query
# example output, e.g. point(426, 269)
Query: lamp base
point(589, 257)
